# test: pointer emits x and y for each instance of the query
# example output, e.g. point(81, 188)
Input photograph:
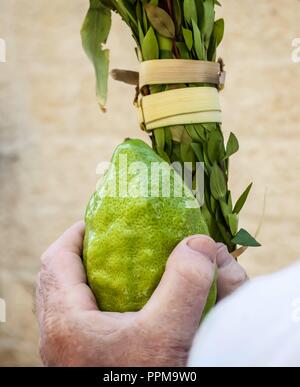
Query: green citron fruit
point(133, 223)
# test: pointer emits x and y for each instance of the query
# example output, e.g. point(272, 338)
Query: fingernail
point(205, 246)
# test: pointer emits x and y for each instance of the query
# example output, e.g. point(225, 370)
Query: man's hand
point(75, 333)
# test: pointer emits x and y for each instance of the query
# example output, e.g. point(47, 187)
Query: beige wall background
point(52, 137)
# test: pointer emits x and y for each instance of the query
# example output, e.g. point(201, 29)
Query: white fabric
point(257, 326)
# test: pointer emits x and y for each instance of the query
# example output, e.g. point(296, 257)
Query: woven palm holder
point(181, 106)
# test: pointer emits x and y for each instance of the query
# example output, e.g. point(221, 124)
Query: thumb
point(179, 300)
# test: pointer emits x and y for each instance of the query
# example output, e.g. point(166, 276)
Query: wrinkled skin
point(73, 332)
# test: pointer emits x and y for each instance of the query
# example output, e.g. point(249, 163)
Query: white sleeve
point(258, 326)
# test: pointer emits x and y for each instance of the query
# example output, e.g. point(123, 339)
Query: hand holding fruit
point(75, 333)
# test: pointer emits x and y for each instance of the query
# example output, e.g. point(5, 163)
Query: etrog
point(134, 220)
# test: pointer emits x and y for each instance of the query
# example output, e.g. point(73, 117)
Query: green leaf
point(163, 155)
point(233, 223)
point(138, 12)
point(229, 201)
point(126, 11)
point(225, 210)
point(215, 148)
point(192, 132)
point(141, 33)
point(187, 154)
point(208, 21)
point(168, 140)
point(212, 50)
point(218, 31)
point(226, 234)
point(218, 184)
point(150, 49)
point(242, 200)
point(159, 135)
point(165, 44)
point(197, 148)
point(213, 204)
point(199, 48)
point(94, 33)
point(200, 11)
point(184, 52)
point(200, 129)
point(232, 146)
point(177, 15)
point(206, 160)
point(153, 2)
point(166, 54)
point(190, 11)
point(145, 20)
point(188, 38)
point(161, 21)
point(176, 152)
point(243, 238)
point(107, 3)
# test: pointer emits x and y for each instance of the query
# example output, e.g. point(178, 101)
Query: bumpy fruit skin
point(129, 239)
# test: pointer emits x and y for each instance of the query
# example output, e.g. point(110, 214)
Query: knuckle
point(239, 276)
point(192, 271)
point(234, 275)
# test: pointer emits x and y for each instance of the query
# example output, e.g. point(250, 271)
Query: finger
point(63, 276)
point(63, 257)
point(230, 274)
point(62, 252)
point(179, 300)
point(70, 241)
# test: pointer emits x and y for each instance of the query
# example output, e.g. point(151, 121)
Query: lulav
point(179, 29)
